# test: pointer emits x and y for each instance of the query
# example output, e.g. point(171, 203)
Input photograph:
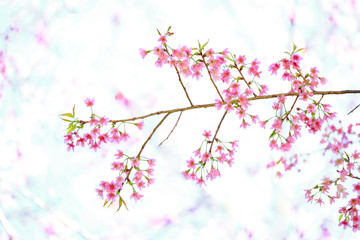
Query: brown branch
point(147, 140)
point(187, 95)
point(287, 114)
point(172, 129)
point(243, 78)
point(202, 55)
point(143, 146)
point(217, 130)
point(213, 104)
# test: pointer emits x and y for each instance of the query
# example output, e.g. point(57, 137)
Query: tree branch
point(172, 129)
point(211, 76)
point(217, 130)
point(213, 104)
point(187, 95)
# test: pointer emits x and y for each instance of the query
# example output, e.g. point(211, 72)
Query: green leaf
point(197, 169)
point(110, 204)
point(66, 120)
point(340, 217)
point(272, 134)
point(294, 47)
point(71, 128)
point(67, 115)
point(106, 201)
point(120, 203)
point(204, 45)
point(347, 156)
point(73, 112)
point(158, 32)
point(124, 204)
point(169, 28)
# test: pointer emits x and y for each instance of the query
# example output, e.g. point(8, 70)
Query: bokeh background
point(54, 54)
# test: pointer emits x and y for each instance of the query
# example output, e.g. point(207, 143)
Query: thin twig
point(187, 95)
point(353, 109)
point(172, 129)
point(213, 104)
point(243, 78)
point(154, 130)
point(217, 130)
point(287, 114)
point(143, 146)
point(202, 55)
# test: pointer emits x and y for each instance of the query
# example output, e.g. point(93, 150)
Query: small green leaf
point(66, 120)
point(294, 47)
point(169, 28)
point(120, 203)
point(204, 45)
point(73, 112)
point(110, 204)
point(124, 204)
point(106, 201)
point(197, 169)
point(272, 134)
point(340, 217)
point(158, 32)
point(71, 128)
point(67, 115)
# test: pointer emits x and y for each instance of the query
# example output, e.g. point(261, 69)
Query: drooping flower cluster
point(137, 172)
point(96, 135)
point(205, 163)
point(343, 144)
point(312, 114)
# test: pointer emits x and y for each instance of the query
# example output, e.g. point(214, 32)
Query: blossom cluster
point(96, 135)
point(205, 164)
point(101, 131)
point(342, 144)
point(312, 114)
point(137, 172)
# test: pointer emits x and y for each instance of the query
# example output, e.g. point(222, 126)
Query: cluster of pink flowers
point(205, 164)
point(346, 158)
point(132, 170)
point(135, 171)
point(95, 136)
point(288, 164)
point(312, 116)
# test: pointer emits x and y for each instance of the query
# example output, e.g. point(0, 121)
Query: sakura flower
point(143, 53)
point(207, 134)
point(89, 102)
point(136, 196)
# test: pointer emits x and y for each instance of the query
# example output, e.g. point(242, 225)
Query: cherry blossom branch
point(172, 129)
point(249, 99)
point(187, 95)
point(217, 130)
point(207, 68)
